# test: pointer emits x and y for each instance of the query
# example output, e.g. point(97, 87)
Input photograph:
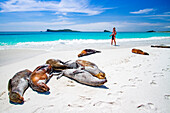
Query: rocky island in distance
point(61, 30)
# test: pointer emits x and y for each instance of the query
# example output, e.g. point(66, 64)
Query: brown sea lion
point(138, 51)
point(18, 85)
point(56, 64)
point(88, 52)
point(39, 78)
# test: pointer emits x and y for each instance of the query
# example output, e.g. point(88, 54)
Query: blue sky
point(84, 15)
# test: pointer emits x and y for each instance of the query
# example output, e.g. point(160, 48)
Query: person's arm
point(111, 34)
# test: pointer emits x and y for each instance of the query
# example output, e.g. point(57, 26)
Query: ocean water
point(63, 39)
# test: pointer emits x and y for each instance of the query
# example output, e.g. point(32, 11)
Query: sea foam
point(83, 43)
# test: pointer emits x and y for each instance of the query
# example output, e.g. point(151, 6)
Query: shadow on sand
point(16, 103)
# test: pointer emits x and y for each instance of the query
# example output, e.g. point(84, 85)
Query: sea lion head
point(42, 87)
point(100, 75)
point(84, 52)
point(56, 64)
point(85, 63)
point(16, 97)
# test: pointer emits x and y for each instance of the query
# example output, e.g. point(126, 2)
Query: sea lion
point(160, 46)
point(84, 77)
point(59, 65)
point(56, 64)
point(85, 72)
point(39, 78)
point(91, 68)
point(18, 85)
point(138, 51)
point(88, 52)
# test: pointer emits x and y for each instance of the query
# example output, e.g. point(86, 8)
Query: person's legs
point(111, 41)
point(114, 41)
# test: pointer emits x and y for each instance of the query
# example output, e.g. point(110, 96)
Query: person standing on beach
point(113, 36)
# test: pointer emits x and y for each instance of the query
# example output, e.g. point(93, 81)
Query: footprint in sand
point(81, 102)
point(2, 95)
point(85, 98)
point(100, 103)
point(158, 75)
point(131, 86)
point(109, 105)
point(167, 97)
point(75, 105)
point(153, 82)
point(42, 109)
point(166, 69)
point(118, 93)
point(71, 84)
point(135, 80)
point(137, 66)
point(149, 107)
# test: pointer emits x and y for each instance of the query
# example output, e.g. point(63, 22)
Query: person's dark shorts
point(113, 37)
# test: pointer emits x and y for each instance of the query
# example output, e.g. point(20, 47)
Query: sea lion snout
point(16, 98)
point(43, 87)
point(100, 75)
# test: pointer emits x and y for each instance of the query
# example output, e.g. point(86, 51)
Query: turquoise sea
point(33, 39)
point(12, 38)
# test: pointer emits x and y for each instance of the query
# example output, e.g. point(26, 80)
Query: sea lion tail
point(145, 53)
point(98, 51)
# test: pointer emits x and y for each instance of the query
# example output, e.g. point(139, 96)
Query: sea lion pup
point(138, 51)
point(39, 78)
point(18, 85)
point(88, 52)
point(56, 64)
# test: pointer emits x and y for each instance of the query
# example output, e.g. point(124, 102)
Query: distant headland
point(159, 31)
point(106, 31)
point(61, 30)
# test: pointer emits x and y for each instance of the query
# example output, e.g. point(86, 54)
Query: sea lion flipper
point(9, 85)
point(60, 75)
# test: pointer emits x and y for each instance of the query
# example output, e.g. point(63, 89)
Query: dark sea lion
point(18, 85)
point(160, 46)
point(39, 78)
point(138, 51)
point(88, 52)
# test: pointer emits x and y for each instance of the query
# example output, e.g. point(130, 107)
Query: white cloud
point(166, 12)
point(120, 26)
point(167, 26)
point(98, 26)
point(157, 16)
point(143, 11)
point(39, 23)
point(62, 7)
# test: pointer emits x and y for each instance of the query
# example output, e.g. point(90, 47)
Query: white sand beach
point(136, 83)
